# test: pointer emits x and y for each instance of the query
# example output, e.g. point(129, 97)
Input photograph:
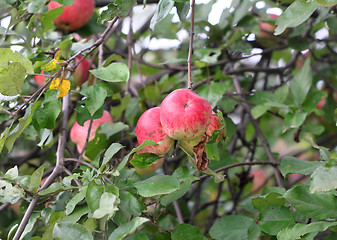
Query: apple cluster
point(183, 116)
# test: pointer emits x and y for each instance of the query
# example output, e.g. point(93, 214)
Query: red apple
point(215, 124)
point(40, 80)
point(259, 179)
point(81, 73)
point(184, 115)
point(78, 133)
point(74, 16)
point(149, 128)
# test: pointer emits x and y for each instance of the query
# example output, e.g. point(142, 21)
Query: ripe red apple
point(40, 80)
point(78, 133)
point(184, 115)
point(81, 73)
point(215, 124)
point(74, 16)
point(149, 128)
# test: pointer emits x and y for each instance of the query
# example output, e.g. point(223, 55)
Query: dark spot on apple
point(185, 105)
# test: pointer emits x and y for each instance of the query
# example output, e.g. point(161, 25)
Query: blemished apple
point(215, 124)
point(78, 133)
point(149, 128)
point(73, 16)
point(81, 73)
point(40, 80)
point(185, 115)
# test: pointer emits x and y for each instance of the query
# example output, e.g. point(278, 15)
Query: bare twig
point(190, 49)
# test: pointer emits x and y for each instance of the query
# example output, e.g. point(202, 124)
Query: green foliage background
point(273, 177)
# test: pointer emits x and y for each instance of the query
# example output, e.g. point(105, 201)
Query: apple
point(259, 179)
point(81, 73)
point(78, 133)
point(215, 124)
point(40, 80)
point(151, 169)
point(74, 16)
point(149, 128)
point(184, 115)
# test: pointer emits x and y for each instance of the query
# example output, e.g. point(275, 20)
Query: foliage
point(272, 81)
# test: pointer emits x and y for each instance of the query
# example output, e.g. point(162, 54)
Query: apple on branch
point(149, 128)
point(78, 133)
point(185, 115)
point(81, 73)
point(74, 16)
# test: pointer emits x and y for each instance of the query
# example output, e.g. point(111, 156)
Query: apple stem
point(190, 50)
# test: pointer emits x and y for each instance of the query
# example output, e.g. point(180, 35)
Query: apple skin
point(78, 133)
point(74, 16)
point(81, 73)
point(184, 115)
point(215, 124)
point(149, 128)
point(40, 80)
point(259, 179)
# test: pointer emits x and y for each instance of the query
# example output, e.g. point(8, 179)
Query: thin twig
point(190, 49)
point(178, 211)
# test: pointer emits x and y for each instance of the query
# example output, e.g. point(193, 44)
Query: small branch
point(259, 133)
point(178, 211)
point(190, 49)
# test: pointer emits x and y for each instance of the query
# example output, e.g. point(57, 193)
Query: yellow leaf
point(63, 87)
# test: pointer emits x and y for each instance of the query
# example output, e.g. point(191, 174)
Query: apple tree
point(79, 159)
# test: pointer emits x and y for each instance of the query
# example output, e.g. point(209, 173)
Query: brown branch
point(190, 48)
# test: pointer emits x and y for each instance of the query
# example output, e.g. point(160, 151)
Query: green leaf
point(23, 123)
point(30, 225)
point(54, 188)
point(8, 193)
point(187, 232)
point(301, 83)
point(126, 229)
point(213, 92)
point(164, 7)
point(76, 214)
point(95, 98)
point(234, 227)
point(12, 79)
point(114, 72)
point(35, 6)
point(318, 205)
point(146, 143)
point(110, 152)
point(297, 13)
point(241, 10)
point(12, 173)
point(269, 199)
point(294, 120)
point(49, 111)
point(71, 231)
point(324, 179)
point(259, 110)
point(3, 137)
point(48, 17)
point(75, 200)
point(35, 179)
point(131, 204)
point(275, 218)
point(144, 160)
point(157, 185)
point(118, 8)
point(281, 94)
point(295, 165)
point(182, 9)
point(8, 56)
point(94, 192)
point(299, 230)
point(110, 129)
point(107, 205)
